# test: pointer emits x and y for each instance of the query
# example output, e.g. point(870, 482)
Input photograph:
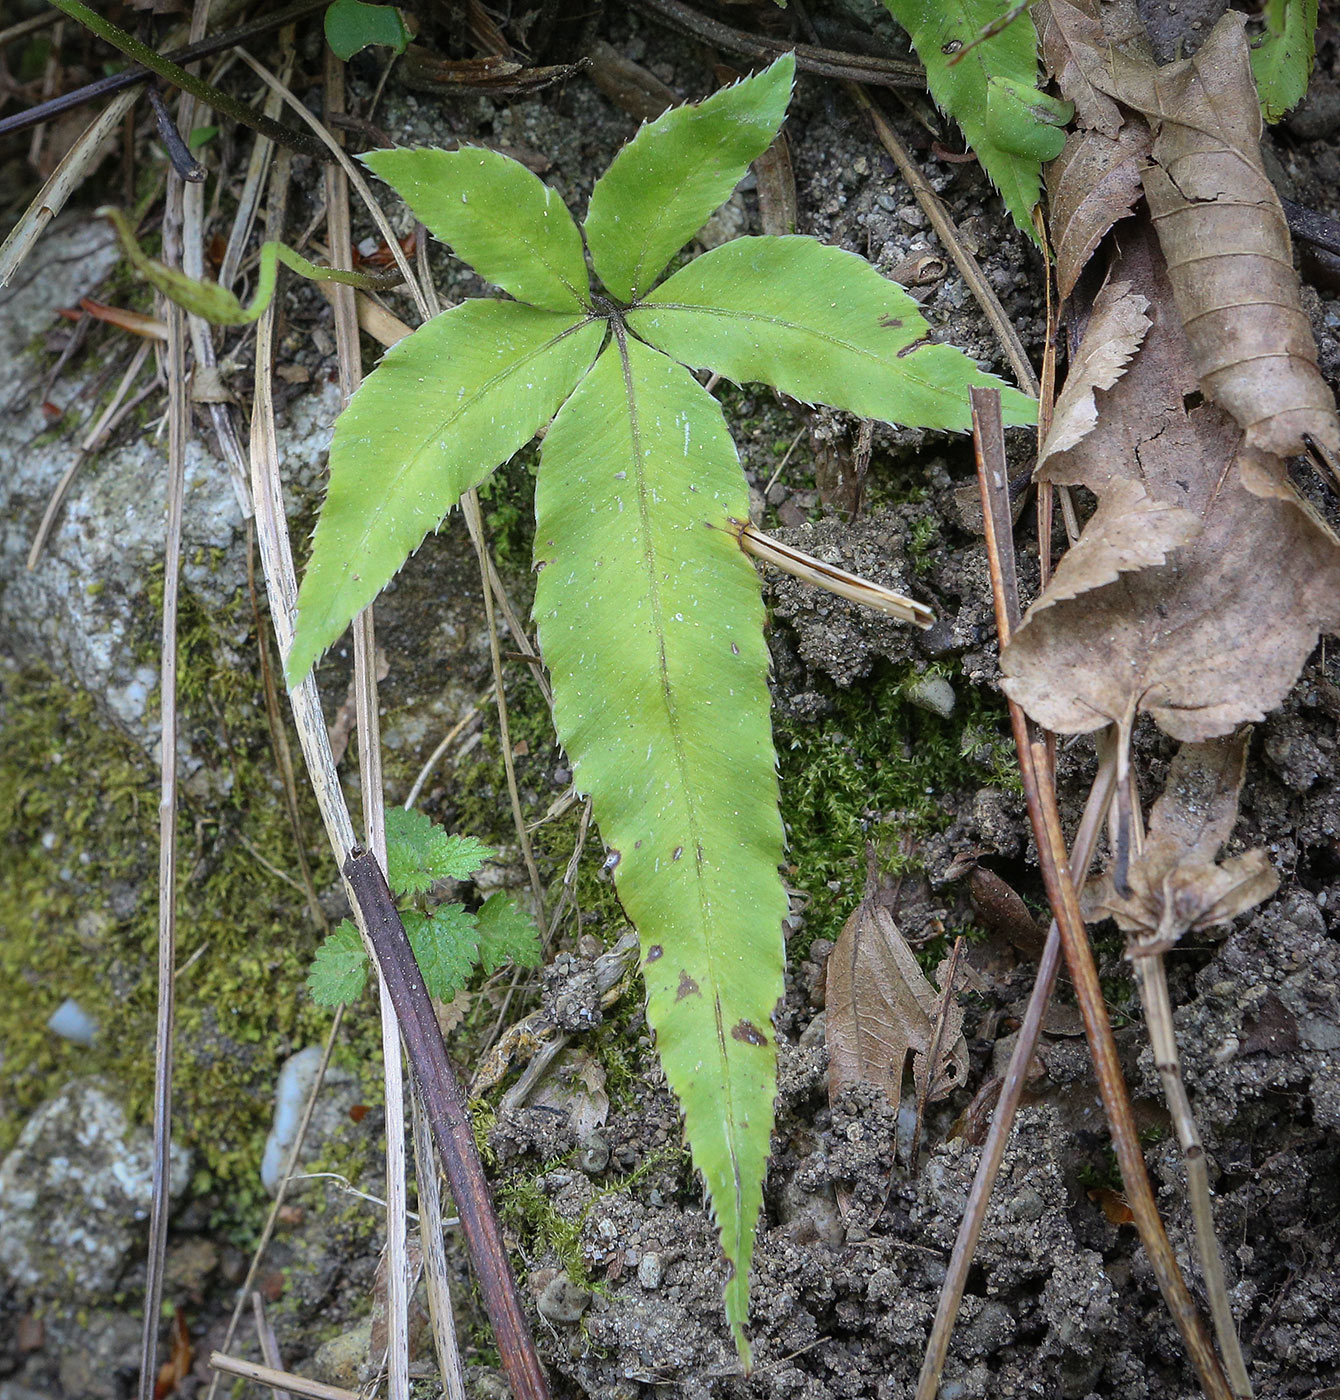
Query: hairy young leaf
point(418, 852)
point(819, 324)
point(1012, 130)
point(651, 621)
point(497, 216)
point(669, 179)
point(445, 407)
point(445, 947)
point(505, 935)
point(1282, 61)
point(340, 969)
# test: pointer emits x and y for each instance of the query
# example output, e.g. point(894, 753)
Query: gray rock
point(74, 1194)
point(563, 1300)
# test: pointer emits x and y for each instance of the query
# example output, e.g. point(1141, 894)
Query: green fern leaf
point(445, 946)
point(446, 406)
point(340, 969)
point(1010, 136)
point(819, 324)
point(668, 180)
point(505, 935)
point(419, 852)
point(651, 622)
point(497, 216)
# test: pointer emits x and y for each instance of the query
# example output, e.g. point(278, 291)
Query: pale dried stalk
point(269, 1344)
point(370, 783)
point(428, 1180)
point(276, 1380)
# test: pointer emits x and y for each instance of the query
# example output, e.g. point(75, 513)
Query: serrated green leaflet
point(501, 219)
point(651, 622)
point(505, 934)
point(446, 406)
point(667, 181)
point(819, 324)
point(445, 947)
point(340, 969)
point(418, 852)
point(1011, 137)
point(1282, 60)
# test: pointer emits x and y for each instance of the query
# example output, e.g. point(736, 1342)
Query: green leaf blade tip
point(821, 325)
point(419, 852)
point(651, 620)
point(445, 407)
point(675, 173)
point(351, 26)
point(495, 215)
point(1282, 59)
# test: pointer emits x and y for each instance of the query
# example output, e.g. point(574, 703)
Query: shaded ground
point(610, 1232)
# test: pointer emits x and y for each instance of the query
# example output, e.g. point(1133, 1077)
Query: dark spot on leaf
point(687, 987)
point(953, 46)
point(891, 323)
point(734, 649)
point(748, 1032)
point(915, 345)
point(679, 851)
point(654, 952)
point(637, 845)
point(613, 858)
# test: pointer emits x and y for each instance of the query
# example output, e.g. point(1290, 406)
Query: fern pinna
point(650, 617)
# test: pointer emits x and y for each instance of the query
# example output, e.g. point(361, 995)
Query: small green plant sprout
point(449, 941)
point(650, 616)
point(981, 59)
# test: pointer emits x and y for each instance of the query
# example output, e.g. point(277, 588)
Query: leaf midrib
point(681, 758)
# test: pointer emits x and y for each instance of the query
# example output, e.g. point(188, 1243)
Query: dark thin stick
point(178, 152)
point(168, 67)
point(449, 1119)
point(1314, 228)
point(1044, 817)
point(823, 63)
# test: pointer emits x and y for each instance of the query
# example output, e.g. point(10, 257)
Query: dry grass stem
point(276, 1380)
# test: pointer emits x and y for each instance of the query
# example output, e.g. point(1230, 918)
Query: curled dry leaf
point(880, 1007)
point(1073, 48)
point(1116, 327)
point(1175, 886)
point(1210, 631)
point(1093, 182)
point(1226, 242)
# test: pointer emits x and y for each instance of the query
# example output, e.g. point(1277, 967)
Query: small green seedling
point(650, 616)
point(449, 941)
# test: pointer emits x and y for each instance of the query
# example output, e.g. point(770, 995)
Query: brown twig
point(1044, 816)
point(449, 1119)
point(823, 63)
point(118, 82)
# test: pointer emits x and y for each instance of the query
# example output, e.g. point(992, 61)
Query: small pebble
point(71, 1022)
point(933, 693)
point(563, 1300)
point(650, 1271)
point(593, 1154)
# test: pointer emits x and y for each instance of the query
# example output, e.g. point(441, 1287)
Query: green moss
point(78, 813)
point(879, 770)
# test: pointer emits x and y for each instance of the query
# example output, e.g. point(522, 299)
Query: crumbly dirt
point(611, 1240)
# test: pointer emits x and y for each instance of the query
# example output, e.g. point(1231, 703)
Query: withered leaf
point(1071, 33)
point(1226, 242)
point(1116, 327)
point(1093, 182)
point(881, 1007)
point(1213, 637)
point(1175, 886)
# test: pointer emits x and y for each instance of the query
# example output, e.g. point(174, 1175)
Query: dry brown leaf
point(1213, 637)
point(1093, 182)
point(1073, 48)
point(575, 1087)
point(880, 1007)
point(1174, 884)
point(1116, 327)
point(1226, 242)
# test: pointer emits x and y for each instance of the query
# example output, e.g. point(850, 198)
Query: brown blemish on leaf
point(891, 323)
point(748, 1032)
point(655, 953)
point(687, 987)
point(679, 851)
